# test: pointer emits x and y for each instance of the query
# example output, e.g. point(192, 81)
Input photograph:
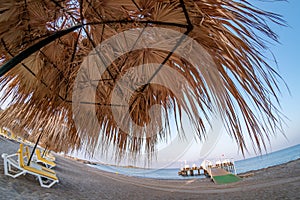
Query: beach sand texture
point(79, 181)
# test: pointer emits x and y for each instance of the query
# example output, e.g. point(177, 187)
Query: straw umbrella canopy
point(64, 141)
point(44, 44)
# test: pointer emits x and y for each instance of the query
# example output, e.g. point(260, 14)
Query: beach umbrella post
point(33, 150)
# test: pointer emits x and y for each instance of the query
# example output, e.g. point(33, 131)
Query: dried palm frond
point(47, 41)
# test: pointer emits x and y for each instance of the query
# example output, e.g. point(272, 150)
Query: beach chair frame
point(38, 158)
point(46, 178)
point(46, 162)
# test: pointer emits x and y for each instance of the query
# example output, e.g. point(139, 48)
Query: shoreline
point(120, 167)
point(270, 167)
point(80, 181)
point(242, 175)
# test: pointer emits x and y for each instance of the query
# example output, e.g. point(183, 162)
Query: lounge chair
point(46, 177)
point(3, 133)
point(49, 156)
point(47, 162)
point(38, 158)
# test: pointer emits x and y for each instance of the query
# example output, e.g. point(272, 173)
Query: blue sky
point(288, 57)
point(287, 54)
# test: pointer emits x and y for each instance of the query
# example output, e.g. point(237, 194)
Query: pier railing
point(207, 166)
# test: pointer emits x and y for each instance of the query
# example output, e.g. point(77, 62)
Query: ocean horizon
point(242, 166)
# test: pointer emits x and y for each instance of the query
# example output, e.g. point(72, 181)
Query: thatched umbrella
point(44, 44)
point(59, 133)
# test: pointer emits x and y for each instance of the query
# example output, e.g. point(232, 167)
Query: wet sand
point(79, 181)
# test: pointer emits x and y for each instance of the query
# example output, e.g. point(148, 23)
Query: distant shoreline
point(270, 167)
point(103, 166)
point(173, 168)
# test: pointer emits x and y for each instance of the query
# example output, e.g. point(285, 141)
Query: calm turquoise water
point(254, 163)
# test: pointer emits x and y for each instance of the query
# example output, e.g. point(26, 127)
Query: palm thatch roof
point(30, 132)
point(45, 42)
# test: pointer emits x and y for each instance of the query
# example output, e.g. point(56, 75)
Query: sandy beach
point(79, 181)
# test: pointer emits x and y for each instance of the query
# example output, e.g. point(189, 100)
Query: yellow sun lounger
point(39, 159)
point(46, 177)
point(45, 161)
point(33, 162)
point(50, 156)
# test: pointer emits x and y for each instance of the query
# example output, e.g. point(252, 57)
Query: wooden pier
point(220, 173)
point(193, 171)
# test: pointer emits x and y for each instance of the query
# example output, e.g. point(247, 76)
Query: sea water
point(268, 160)
point(255, 163)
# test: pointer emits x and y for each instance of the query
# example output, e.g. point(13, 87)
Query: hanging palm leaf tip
point(44, 43)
